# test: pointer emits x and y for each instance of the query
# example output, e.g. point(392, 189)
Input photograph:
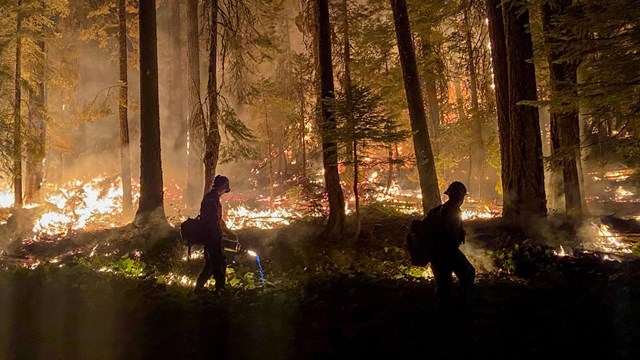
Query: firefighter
point(213, 226)
point(447, 257)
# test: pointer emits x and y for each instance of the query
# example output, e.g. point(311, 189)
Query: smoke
point(479, 257)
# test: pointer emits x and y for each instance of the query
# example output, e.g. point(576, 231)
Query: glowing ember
point(52, 223)
point(471, 214)
point(177, 279)
point(241, 217)
point(608, 241)
point(6, 199)
point(92, 205)
point(618, 175)
point(561, 252)
point(622, 193)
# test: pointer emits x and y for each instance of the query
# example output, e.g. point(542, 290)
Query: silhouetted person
point(211, 217)
point(447, 257)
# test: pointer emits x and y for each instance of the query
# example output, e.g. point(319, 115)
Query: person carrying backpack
point(213, 228)
point(446, 257)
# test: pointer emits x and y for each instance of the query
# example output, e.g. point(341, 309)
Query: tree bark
point(177, 88)
point(37, 129)
point(565, 122)
point(347, 47)
point(327, 123)
point(212, 139)
point(195, 135)
point(501, 85)
point(125, 157)
point(429, 80)
point(150, 208)
point(476, 157)
point(421, 141)
point(348, 89)
point(527, 196)
point(17, 124)
point(303, 145)
point(434, 107)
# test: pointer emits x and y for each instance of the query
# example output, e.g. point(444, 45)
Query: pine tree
point(195, 146)
point(526, 183)
point(565, 123)
point(327, 122)
point(501, 86)
point(421, 142)
point(151, 207)
point(125, 157)
point(17, 123)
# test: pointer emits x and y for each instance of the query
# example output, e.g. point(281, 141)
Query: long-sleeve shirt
point(449, 233)
point(211, 214)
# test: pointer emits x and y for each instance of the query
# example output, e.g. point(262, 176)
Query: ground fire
point(315, 179)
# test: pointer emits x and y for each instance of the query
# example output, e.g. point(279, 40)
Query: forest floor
point(122, 293)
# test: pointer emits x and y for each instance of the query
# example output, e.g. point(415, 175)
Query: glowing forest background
point(337, 123)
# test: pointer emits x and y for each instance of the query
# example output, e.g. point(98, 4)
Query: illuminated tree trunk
point(269, 153)
point(37, 129)
point(432, 72)
point(303, 144)
point(195, 137)
point(389, 169)
point(565, 122)
point(527, 198)
point(17, 124)
point(125, 157)
point(212, 138)
point(327, 123)
point(434, 107)
point(150, 208)
point(177, 89)
point(348, 90)
point(476, 157)
point(420, 132)
point(501, 84)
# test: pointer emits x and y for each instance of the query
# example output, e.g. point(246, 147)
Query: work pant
point(442, 266)
point(215, 265)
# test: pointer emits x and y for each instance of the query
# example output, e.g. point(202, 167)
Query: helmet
point(456, 188)
point(221, 182)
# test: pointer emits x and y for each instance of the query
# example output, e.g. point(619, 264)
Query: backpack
point(421, 238)
point(192, 232)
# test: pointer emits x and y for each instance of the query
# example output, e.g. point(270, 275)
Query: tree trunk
point(431, 89)
point(527, 198)
point(434, 107)
point(17, 124)
point(421, 142)
point(564, 121)
point(212, 139)
point(556, 184)
point(269, 153)
point(150, 208)
point(195, 135)
point(303, 144)
point(125, 161)
point(327, 123)
point(389, 169)
point(476, 157)
point(348, 91)
point(37, 129)
point(501, 85)
point(177, 89)
point(356, 194)
point(347, 47)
